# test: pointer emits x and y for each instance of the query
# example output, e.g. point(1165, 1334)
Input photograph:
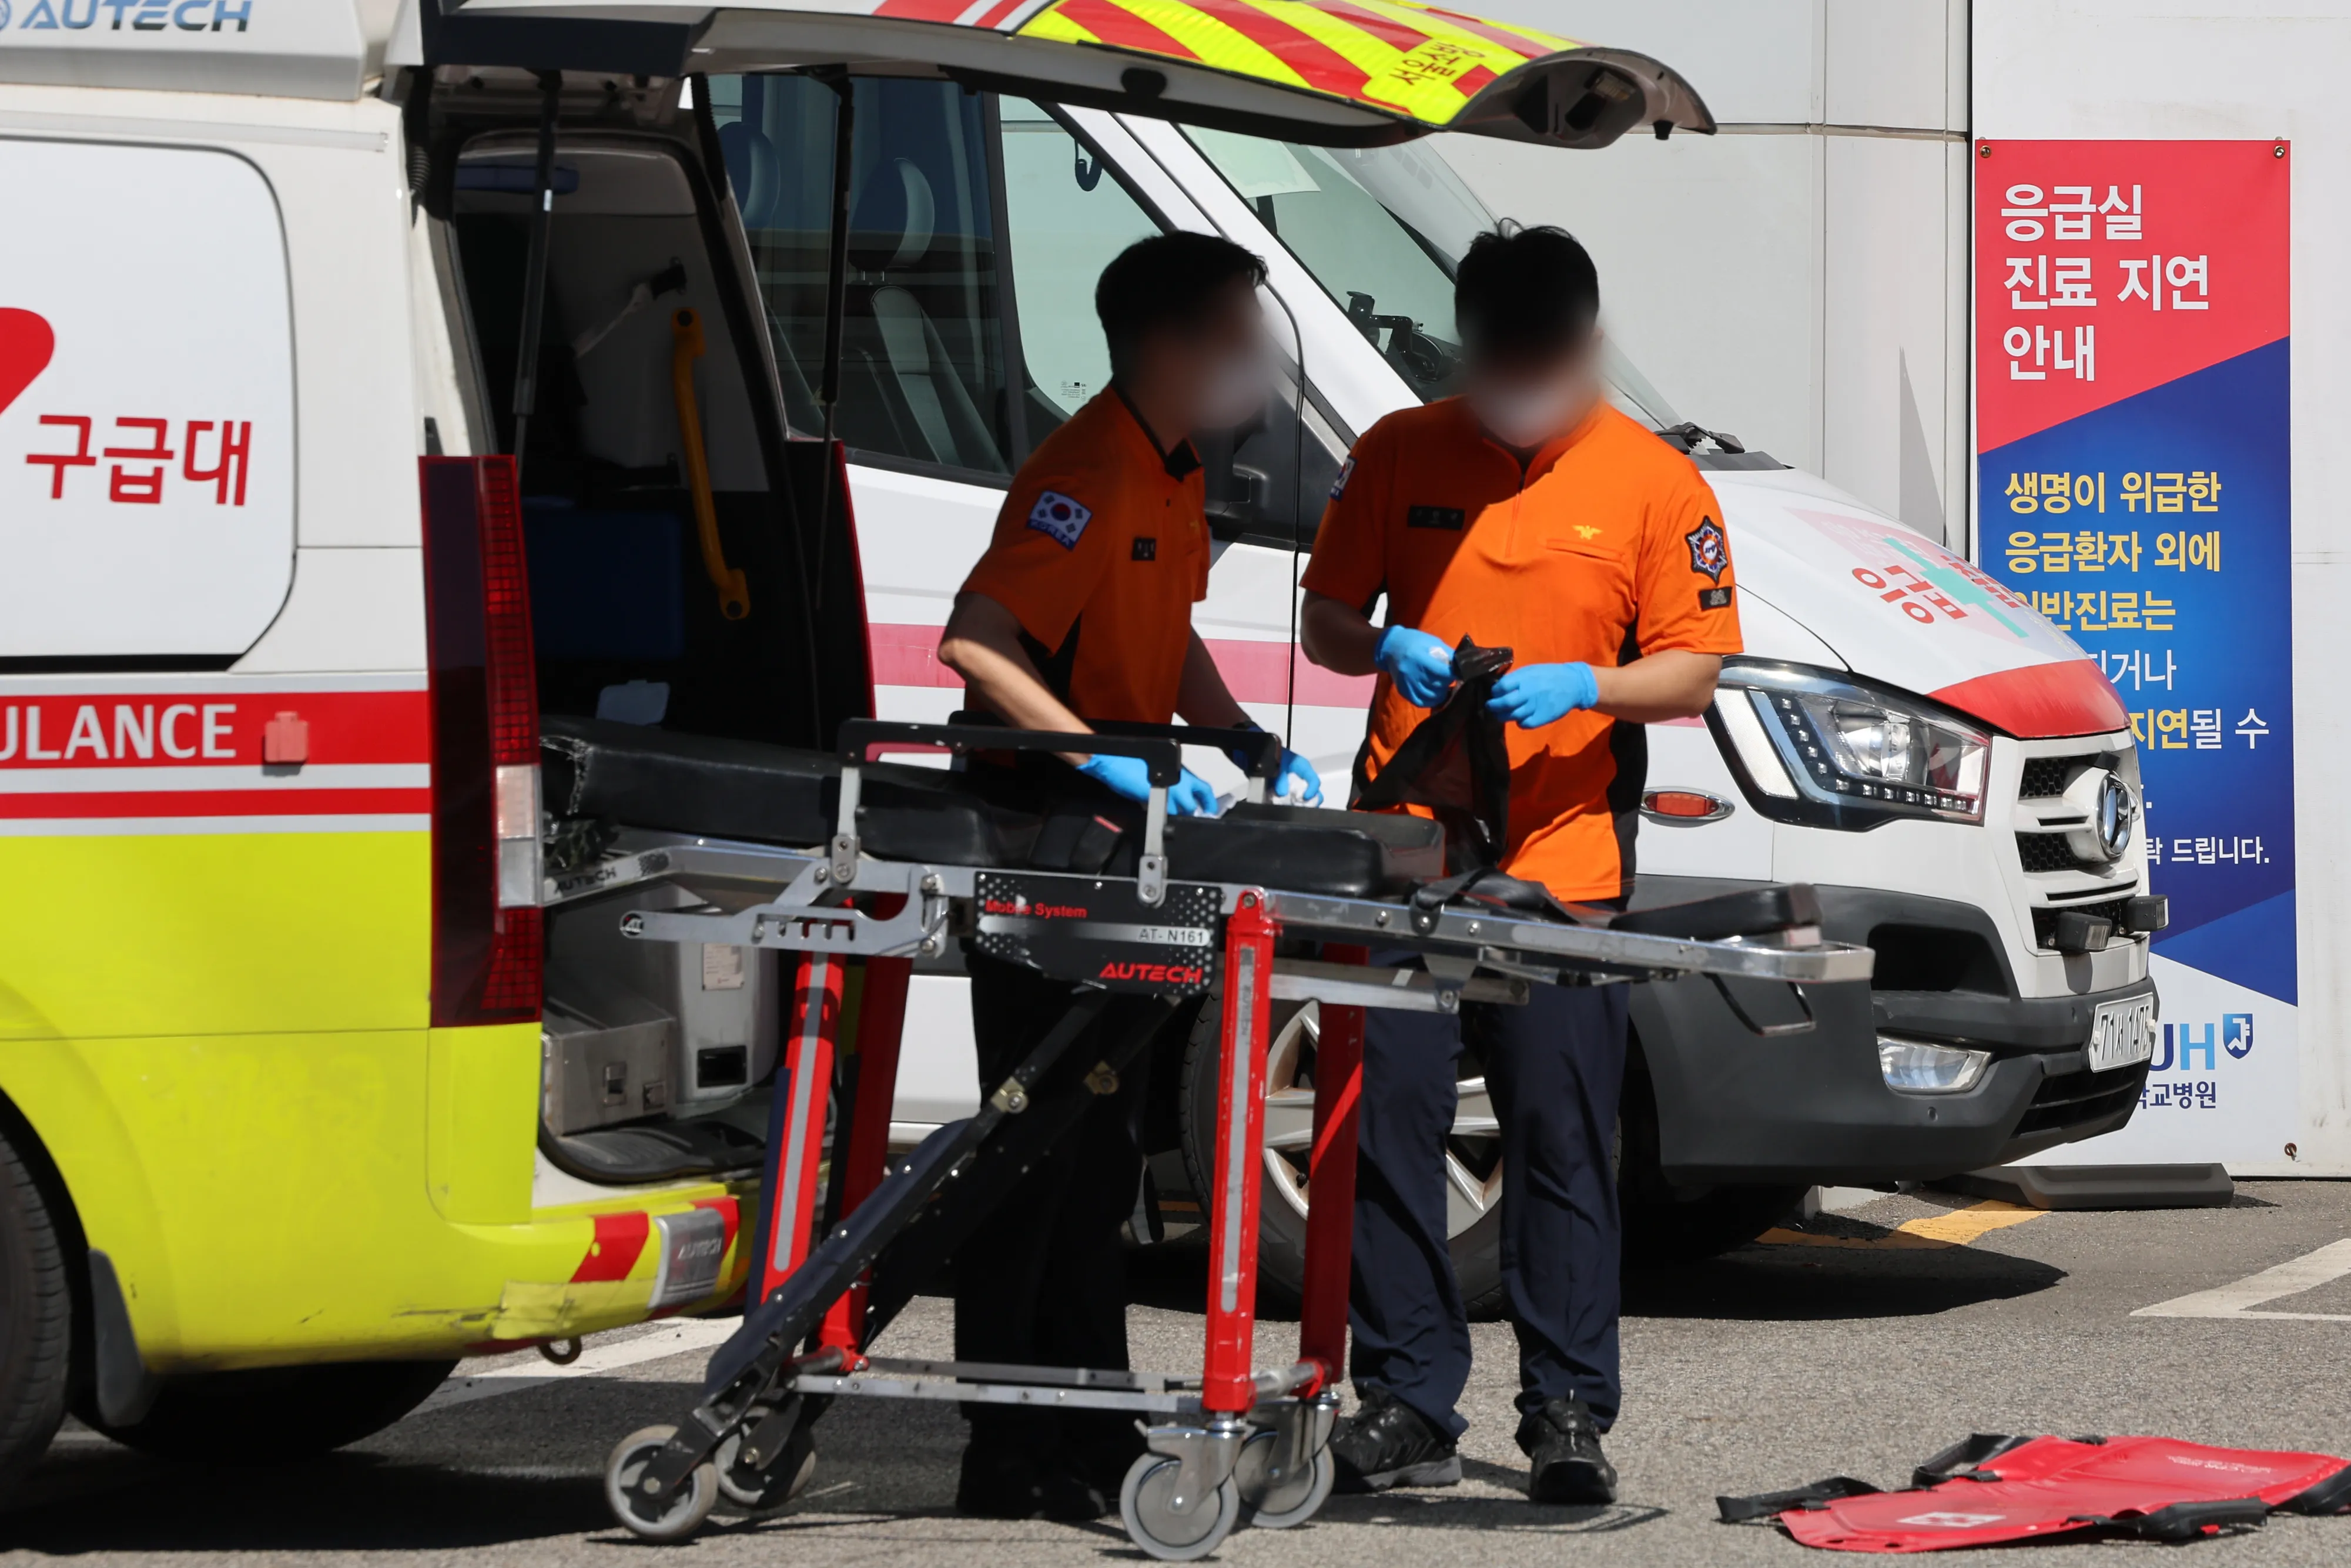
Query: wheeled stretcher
point(843, 860)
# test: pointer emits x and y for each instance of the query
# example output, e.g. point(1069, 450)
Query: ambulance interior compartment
point(657, 1059)
point(655, 1056)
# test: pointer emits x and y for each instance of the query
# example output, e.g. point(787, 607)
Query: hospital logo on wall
point(1709, 551)
point(1059, 517)
point(2237, 1034)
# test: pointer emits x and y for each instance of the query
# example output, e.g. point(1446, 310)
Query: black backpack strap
point(1966, 1455)
point(2332, 1495)
point(1489, 885)
point(1771, 1504)
point(2183, 1520)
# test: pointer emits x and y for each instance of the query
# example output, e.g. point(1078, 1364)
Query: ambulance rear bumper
point(1815, 1108)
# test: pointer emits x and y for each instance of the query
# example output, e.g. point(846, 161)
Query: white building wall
point(1801, 279)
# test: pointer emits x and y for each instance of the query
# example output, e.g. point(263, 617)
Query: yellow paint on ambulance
point(222, 1040)
point(1300, 43)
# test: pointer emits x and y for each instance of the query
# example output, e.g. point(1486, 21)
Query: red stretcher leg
point(796, 1143)
point(881, 1023)
point(1331, 1184)
point(1228, 1387)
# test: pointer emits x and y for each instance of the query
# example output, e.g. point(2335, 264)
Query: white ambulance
point(1953, 773)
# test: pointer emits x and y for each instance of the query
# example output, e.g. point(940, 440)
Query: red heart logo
point(26, 345)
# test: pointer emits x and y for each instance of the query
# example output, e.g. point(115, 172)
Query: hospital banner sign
point(2133, 468)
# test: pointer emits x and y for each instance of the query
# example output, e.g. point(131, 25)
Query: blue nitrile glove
point(1294, 777)
point(1420, 665)
point(1297, 779)
point(1189, 796)
point(1533, 695)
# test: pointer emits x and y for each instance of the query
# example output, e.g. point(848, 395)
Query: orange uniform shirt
point(1607, 545)
point(1100, 552)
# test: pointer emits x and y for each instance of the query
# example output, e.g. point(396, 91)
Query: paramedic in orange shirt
point(1526, 514)
point(1080, 613)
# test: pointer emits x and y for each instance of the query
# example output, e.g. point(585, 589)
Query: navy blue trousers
point(1554, 1069)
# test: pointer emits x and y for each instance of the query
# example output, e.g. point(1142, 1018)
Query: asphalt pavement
point(1858, 1345)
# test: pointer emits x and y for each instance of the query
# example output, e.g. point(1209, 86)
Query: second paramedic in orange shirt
point(1527, 514)
point(1080, 614)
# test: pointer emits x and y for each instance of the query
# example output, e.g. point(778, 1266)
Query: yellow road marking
point(1955, 1229)
point(1962, 1225)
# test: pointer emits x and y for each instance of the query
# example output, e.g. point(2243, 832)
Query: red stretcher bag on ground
point(1990, 1490)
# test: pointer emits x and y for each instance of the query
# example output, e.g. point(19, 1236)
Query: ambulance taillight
point(486, 953)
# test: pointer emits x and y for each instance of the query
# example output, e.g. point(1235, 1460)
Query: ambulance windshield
point(1381, 228)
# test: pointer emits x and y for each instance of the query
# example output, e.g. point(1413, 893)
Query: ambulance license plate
point(2122, 1033)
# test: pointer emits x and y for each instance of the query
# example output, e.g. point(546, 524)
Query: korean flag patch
point(1060, 518)
point(1709, 551)
point(1347, 472)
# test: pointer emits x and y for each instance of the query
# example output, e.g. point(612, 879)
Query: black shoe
point(1063, 1494)
point(998, 1482)
point(1388, 1443)
point(1564, 1441)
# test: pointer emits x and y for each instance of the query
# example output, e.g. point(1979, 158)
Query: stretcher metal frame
point(1239, 1441)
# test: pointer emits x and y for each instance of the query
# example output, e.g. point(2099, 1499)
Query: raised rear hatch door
point(1335, 72)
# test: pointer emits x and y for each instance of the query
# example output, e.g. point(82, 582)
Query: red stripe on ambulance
point(218, 803)
point(1255, 672)
point(620, 1241)
point(1317, 63)
point(1518, 43)
point(1122, 30)
point(1381, 26)
point(163, 729)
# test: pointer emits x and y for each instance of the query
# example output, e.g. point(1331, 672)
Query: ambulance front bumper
point(1814, 1107)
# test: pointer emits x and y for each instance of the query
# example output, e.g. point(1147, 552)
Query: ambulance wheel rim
point(673, 1518)
point(1144, 1504)
point(1473, 1166)
point(1299, 1496)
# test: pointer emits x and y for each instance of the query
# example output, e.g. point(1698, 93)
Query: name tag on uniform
point(1146, 549)
point(1449, 518)
point(1714, 599)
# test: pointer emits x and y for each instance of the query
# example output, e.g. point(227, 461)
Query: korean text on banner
point(2133, 469)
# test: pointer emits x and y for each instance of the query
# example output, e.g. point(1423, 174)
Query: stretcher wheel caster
point(1291, 1500)
point(760, 1492)
point(1146, 1502)
point(673, 1519)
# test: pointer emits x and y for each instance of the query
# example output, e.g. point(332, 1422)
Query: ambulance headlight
point(1915, 1067)
point(1821, 748)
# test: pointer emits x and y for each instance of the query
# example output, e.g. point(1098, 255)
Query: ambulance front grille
point(2077, 1099)
point(2046, 776)
point(2049, 852)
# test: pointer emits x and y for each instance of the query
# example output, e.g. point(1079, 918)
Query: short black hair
point(1523, 292)
point(1167, 280)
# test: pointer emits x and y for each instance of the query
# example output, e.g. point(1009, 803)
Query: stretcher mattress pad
point(643, 778)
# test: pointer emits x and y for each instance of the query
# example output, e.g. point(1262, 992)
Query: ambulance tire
point(1666, 1226)
point(1476, 1248)
point(273, 1415)
point(35, 1320)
